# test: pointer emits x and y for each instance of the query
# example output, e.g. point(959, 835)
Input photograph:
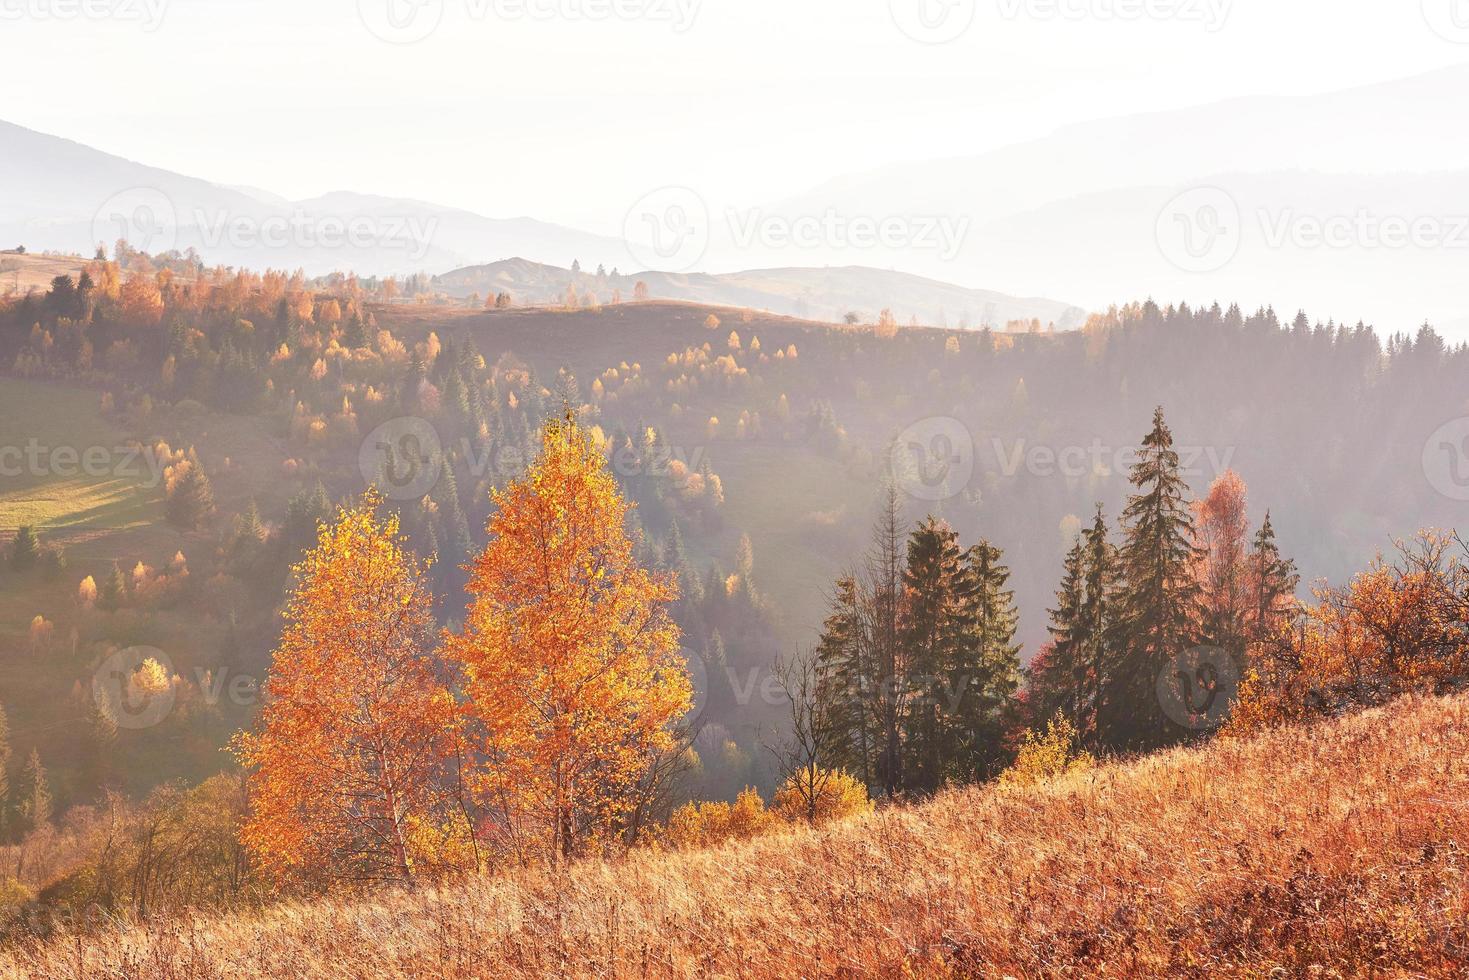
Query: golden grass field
point(1337, 851)
point(21, 274)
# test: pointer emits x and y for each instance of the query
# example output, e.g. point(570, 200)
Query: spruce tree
point(252, 528)
point(36, 805)
point(190, 498)
point(114, 589)
point(1274, 581)
point(1099, 626)
point(885, 595)
point(1055, 678)
point(672, 557)
point(1160, 606)
point(986, 669)
point(25, 550)
point(845, 684)
point(931, 637)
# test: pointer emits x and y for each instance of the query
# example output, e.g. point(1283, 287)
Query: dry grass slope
point(1335, 851)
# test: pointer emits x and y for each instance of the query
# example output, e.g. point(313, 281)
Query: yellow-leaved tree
point(571, 669)
point(351, 766)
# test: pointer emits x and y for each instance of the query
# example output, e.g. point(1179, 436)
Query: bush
point(696, 825)
point(821, 795)
point(1048, 756)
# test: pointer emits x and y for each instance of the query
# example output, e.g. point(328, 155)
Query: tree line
point(920, 682)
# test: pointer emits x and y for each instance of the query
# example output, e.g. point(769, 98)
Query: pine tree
point(672, 558)
point(931, 638)
point(847, 682)
point(252, 528)
point(457, 543)
point(986, 669)
point(1160, 606)
point(99, 737)
point(1055, 677)
point(190, 496)
point(1273, 584)
point(1099, 626)
point(35, 806)
point(885, 598)
point(114, 589)
point(26, 549)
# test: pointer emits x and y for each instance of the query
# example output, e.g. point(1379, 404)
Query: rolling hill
point(58, 195)
point(1335, 850)
point(813, 294)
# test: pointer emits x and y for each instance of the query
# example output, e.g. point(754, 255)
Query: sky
point(569, 110)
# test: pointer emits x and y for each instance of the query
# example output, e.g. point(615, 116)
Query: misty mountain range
point(1265, 200)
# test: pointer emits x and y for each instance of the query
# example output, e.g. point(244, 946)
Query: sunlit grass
point(1333, 851)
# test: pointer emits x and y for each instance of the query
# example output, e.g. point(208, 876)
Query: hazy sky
point(569, 110)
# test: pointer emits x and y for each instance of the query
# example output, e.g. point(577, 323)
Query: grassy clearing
point(48, 478)
point(1334, 851)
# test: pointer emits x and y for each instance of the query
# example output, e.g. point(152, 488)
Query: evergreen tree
point(98, 739)
point(1273, 584)
point(190, 497)
point(114, 589)
point(1159, 599)
point(672, 558)
point(885, 596)
point(986, 670)
point(1055, 678)
point(931, 637)
point(252, 528)
point(846, 682)
point(26, 549)
point(1099, 625)
point(36, 805)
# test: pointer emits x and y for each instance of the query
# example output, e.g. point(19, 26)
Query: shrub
point(1047, 756)
point(822, 794)
point(696, 825)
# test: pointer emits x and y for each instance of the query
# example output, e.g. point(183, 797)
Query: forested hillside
point(753, 446)
point(337, 589)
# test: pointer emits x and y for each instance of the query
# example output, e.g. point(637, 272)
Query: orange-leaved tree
point(1399, 627)
point(351, 764)
point(571, 668)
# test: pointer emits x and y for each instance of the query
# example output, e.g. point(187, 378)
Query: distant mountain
point(56, 194)
point(818, 294)
point(1077, 213)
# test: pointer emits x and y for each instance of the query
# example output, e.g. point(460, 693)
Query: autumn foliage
point(355, 737)
point(1400, 627)
point(570, 660)
point(531, 733)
